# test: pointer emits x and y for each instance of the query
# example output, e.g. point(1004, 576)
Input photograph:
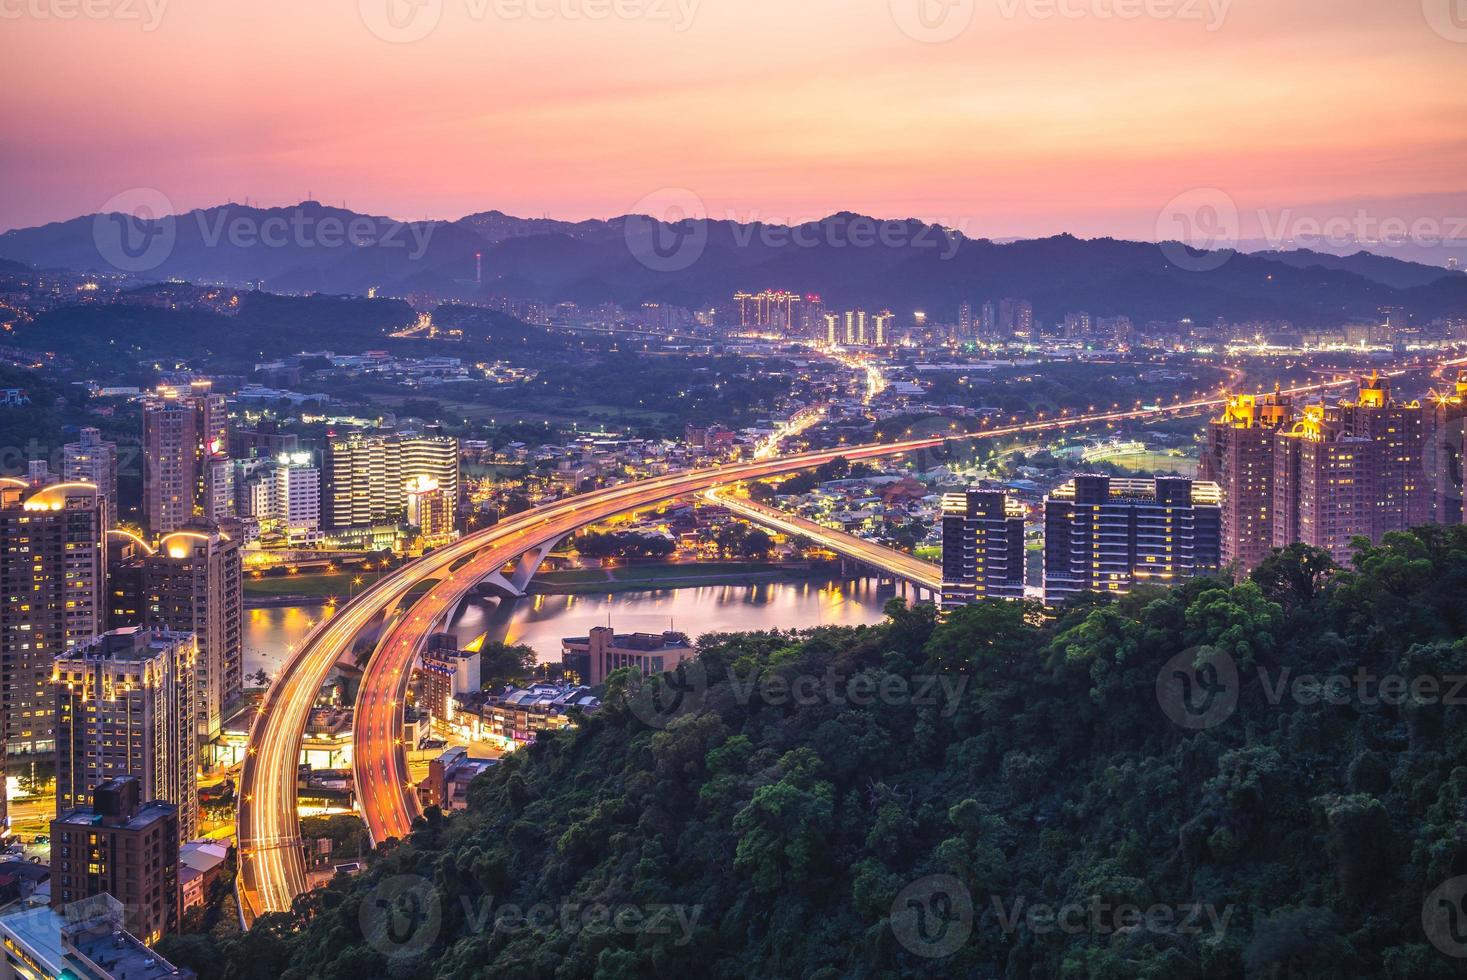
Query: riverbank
point(277, 592)
point(675, 575)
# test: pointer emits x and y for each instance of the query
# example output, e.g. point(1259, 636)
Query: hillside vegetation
point(1149, 788)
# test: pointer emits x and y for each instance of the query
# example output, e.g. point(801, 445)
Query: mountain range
point(851, 260)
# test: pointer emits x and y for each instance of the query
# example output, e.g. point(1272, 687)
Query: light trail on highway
point(272, 867)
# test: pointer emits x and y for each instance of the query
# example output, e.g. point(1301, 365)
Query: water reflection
point(541, 621)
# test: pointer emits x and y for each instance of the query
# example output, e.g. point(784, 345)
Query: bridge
point(899, 564)
point(411, 602)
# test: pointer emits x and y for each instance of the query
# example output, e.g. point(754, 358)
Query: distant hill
point(852, 260)
point(1377, 268)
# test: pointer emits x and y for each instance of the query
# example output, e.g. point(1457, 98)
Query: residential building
point(982, 547)
point(449, 775)
point(125, 707)
point(1239, 458)
point(430, 509)
point(85, 940)
point(91, 460)
point(1327, 487)
point(53, 572)
point(367, 477)
point(193, 583)
point(1104, 534)
point(1445, 452)
point(123, 847)
point(594, 658)
point(1401, 431)
point(185, 453)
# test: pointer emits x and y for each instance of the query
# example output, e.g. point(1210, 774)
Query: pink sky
point(1022, 124)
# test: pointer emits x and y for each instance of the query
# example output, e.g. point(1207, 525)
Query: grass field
point(630, 578)
point(317, 586)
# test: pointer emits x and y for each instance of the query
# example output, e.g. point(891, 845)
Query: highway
point(923, 574)
point(272, 868)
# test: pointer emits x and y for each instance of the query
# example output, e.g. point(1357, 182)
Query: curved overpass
point(272, 868)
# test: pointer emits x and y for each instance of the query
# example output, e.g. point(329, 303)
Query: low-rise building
point(449, 775)
point(596, 656)
point(85, 940)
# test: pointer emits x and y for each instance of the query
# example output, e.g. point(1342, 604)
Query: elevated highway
point(272, 867)
point(915, 571)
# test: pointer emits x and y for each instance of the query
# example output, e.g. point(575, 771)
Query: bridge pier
point(516, 584)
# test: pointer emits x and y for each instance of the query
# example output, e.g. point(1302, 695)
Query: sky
point(1004, 118)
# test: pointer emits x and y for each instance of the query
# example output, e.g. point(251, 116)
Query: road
point(923, 574)
point(272, 870)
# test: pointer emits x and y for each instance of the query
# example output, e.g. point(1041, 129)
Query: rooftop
point(85, 940)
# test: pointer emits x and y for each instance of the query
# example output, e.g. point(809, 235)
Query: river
point(541, 621)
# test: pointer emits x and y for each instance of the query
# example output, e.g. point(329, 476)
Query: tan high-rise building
point(193, 584)
point(1239, 459)
point(1402, 434)
point(185, 438)
point(124, 706)
point(367, 477)
point(53, 572)
point(1445, 451)
point(1326, 485)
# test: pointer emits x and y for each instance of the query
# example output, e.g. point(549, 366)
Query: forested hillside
point(1151, 788)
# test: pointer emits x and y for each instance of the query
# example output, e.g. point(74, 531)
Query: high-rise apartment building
point(1445, 451)
point(185, 457)
point(193, 583)
point(124, 706)
point(982, 547)
point(1401, 432)
point(367, 477)
point(965, 319)
point(1240, 459)
point(124, 847)
point(53, 573)
point(92, 460)
point(1326, 484)
point(1108, 535)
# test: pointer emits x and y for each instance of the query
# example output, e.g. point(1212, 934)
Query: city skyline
point(1016, 114)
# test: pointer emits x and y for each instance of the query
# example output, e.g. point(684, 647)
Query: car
point(41, 839)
